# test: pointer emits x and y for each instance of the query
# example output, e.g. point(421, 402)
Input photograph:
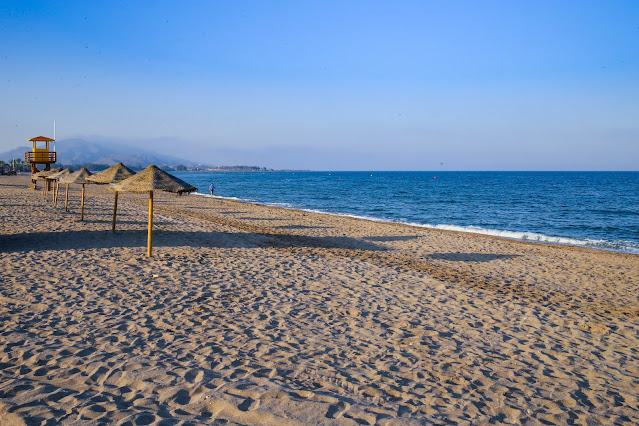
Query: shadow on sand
point(302, 227)
point(389, 238)
point(124, 221)
point(471, 257)
point(78, 240)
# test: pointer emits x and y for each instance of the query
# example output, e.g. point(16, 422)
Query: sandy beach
point(249, 314)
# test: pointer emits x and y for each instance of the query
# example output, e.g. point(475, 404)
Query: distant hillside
point(14, 153)
point(80, 151)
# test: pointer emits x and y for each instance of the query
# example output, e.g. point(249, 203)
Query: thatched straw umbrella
point(43, 175)
point(148, 180)
point(39, 175)
point(56, 178)
point(80, 178)
point(113, 174)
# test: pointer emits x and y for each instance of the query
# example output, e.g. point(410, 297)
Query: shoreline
point(556, 240)
point(268, 315)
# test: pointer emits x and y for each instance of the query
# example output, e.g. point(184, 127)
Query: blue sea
point(596, 209)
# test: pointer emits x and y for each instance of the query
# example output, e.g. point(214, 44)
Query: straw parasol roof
point(60, 174)
point(78, 177)
point(153, 179)
point(148, 180)
point(115, 173)
point(45, 173)
point(56, 176)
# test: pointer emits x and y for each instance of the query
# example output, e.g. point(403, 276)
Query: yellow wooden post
point(150, 238)
point(115, 211)
point(66, 199)
point(57, 192)
point(82, 208)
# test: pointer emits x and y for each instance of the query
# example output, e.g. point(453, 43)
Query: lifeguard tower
point(40, 154)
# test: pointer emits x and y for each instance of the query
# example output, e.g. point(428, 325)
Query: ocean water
point(597, 209)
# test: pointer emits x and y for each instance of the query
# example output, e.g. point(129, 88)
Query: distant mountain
point(80, 151)
point(14, 153)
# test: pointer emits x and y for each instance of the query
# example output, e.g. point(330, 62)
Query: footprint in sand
point(145, 419)
point(182, 397)
point(194, 376)
point(249, 404)
point(337, 410)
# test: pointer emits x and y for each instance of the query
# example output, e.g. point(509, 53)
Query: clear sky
point(331, 85)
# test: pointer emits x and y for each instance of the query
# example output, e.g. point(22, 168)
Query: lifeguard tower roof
point(40, 139)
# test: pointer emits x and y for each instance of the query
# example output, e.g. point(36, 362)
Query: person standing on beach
point(211, 188)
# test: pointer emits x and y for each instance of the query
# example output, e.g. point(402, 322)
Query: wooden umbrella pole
point(150, 238)
point(115, 211)
point(82, 207)
point(57, 192)
point(66, 199)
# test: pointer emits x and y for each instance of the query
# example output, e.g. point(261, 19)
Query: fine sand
point(257, 315)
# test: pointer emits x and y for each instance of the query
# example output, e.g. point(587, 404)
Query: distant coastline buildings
point(98, 156)
point(240, 169)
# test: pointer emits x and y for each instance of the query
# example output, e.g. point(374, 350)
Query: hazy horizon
point(408, 85)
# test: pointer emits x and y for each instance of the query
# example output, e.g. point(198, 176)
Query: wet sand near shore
point(249, 314)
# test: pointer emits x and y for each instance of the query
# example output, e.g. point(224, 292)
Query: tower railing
point(40, 157)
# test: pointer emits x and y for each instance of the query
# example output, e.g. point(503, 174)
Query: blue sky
point(331, 85)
